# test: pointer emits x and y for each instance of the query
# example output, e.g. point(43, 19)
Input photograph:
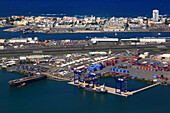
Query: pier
point(147, 87)
point(113, 91)
point(125, 94)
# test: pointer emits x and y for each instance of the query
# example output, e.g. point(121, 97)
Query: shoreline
point(64, 79)
point(83, 31)
point(112, 32)
point(1, 26)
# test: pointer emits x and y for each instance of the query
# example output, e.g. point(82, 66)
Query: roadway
point(68, 49)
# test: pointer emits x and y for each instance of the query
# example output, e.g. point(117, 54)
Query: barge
point(26, 80)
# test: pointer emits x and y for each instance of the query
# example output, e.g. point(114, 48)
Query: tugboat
point(23, 81)
point(95, 88)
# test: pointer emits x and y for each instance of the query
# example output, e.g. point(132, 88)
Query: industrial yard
point(78, 66)
point(83, 62)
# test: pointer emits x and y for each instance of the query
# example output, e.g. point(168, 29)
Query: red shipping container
point(159, 76)
point(169, 79)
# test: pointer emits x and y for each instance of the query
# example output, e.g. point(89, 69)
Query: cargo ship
point(98, 89)
point(23, 81)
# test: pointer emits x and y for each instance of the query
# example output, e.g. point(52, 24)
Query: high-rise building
point(155, 15)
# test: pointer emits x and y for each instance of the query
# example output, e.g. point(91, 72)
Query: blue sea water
point(103, 8)
point(48, 96)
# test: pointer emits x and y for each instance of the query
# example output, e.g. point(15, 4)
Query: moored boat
point(26, 80)
point(98, 89)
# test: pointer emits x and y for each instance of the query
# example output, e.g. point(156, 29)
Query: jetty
point(147, 87)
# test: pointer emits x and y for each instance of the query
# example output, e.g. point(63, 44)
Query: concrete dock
point(125, 94)
point(147, 87)
point(113, 91)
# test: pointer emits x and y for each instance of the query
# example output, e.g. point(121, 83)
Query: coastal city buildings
point(68, 24)
point(155, 15)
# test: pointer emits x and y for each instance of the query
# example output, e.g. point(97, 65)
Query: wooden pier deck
point(125, 94)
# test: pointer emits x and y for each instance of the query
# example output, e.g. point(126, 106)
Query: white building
point(38, 56)
point(94, 40)
point(2, 40)
point(23, 40)
point(97, 53)
point(17, 40)
point(152, 40)
point(22, 57)
point(130, 40)
point(155, 15)
point(165, 57)
point(2, 47)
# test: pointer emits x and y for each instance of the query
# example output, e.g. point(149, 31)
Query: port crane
point(120, 85)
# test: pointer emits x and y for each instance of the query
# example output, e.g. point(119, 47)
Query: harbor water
point(80, 36)
point(48, 96)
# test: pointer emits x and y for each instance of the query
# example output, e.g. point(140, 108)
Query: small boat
point(23, 84)
point(98, 89)
point(159, 33)
point(115, 34)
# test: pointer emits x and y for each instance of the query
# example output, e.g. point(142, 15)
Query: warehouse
point(95, 40)
point(152, 40)
point(130, 40)
point(97, 53)
point(165, 57)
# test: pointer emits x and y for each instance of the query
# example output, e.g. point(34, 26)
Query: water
point(103, 8)
point(49, 96)
point(81, 36)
